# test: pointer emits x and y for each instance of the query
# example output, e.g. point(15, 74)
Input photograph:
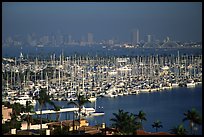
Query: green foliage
point(60, 131)
point(157, 124)
point(17, 108)
point(81, 100)
point(179, 130)
point(43, 98)
point(194, 118)
point(28, 108)
point(5, 128)
point(141, 116)
point(57, 108)
point(124, 122)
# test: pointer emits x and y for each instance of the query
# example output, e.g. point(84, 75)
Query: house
point(68, 124)
point(6, 113)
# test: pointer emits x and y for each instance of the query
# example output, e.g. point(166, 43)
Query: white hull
point(92, 99)
point(174, 85)
point(97, 114)
point(190, 85)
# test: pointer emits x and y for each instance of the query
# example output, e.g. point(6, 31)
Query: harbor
point(101, 68)
point(65, 77)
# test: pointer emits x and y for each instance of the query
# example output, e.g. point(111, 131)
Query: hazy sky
point(180, 21)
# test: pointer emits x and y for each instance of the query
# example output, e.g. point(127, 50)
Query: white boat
point(97, 114)
point(111, 94)
point(125, 93)
point(92, 99)
point(22, 99)
point(174, 85)
point(190, 85)
point(120, 94)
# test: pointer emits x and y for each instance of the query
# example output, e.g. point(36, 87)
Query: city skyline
point(179, 21)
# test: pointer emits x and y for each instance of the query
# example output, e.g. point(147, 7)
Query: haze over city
point(99, 68)
point(179, 21)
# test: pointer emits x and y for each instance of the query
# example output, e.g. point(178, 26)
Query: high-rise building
point(148, 38)
point(90, 38)
point(135, 37)
point(82, 42)
point(69, 39)
point(138, 36)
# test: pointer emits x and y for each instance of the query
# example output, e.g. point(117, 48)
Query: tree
point(28, 108)
point(15, 122)
point(17, 108)
point(157, 124)
point(43, 98)
point(194, 118)
point(61, 131)
point(124, 122)
point(141, 116)
point(81, 100)
point(57, 108)
point(179, 130)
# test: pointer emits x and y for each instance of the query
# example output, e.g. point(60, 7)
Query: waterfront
point(167, 106)
point(94, 50)
point(131, 83)
point(137, 67)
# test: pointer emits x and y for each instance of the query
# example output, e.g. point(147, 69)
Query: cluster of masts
point(65, 77)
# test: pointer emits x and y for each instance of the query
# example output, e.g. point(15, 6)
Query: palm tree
point(81, 100)
point(124, 123)
point(194, 118)
point(42, 99)
point(57, 108)
point(119, 119)
point(157, 124)
point(179, 130)
point(141, 116)
point(15, 122)
point(28, 108)
point(17, 108)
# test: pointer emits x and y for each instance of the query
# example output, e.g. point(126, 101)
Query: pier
point(87, 110)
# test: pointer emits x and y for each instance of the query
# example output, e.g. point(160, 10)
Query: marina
point(97, 68)
point(103, 79)
point(65, 77)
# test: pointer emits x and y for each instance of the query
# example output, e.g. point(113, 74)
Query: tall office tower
point(82, 42)
point(148, 38)
point(90, 38)
point(167, 39)
point(138, 36)
point(70, 39)
point(134, 37)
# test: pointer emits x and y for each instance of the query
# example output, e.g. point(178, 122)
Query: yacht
point(190, 84)
point(22, 99)
point(92, 99)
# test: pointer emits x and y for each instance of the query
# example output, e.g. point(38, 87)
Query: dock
point(87, 110)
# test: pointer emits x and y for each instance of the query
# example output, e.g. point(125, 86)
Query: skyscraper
point(148, 38)
point(138, 36)
point(135, 37)
point(69, 39)
point(90, 38)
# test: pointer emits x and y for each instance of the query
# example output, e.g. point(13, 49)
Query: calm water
point(167, 106)
point(92, 51)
